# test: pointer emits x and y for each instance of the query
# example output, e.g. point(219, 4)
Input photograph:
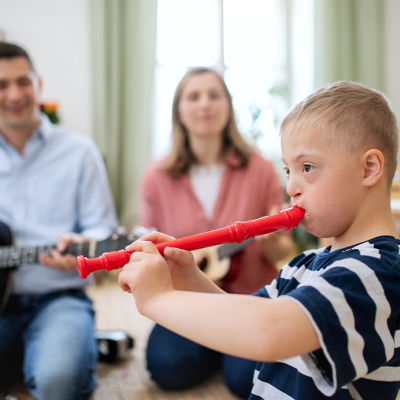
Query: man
point(53, 186)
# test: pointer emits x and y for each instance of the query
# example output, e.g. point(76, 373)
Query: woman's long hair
point(181, 157)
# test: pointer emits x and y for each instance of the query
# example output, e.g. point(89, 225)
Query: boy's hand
point(183, 269)
point(147, 275)
point(184, 272)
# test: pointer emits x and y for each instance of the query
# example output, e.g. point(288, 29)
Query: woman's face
point(204, 107)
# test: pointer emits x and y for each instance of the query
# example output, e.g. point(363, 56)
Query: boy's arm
point(244, 326)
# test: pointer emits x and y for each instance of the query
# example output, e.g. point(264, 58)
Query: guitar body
point(5, 276)
point(208, 261)
point(221, 262)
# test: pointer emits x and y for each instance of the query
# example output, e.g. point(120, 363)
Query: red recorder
point(237, 232)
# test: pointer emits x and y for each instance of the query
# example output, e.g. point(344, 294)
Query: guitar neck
point(229, 249)
point(14, 256)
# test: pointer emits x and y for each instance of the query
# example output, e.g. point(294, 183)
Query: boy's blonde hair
point(354, 116)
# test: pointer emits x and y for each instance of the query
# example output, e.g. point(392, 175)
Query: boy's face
point(322, 179)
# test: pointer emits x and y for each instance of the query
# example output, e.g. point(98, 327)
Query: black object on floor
point(113, 345)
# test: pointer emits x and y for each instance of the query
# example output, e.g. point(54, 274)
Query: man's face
point(19, 94)
point(322, 179)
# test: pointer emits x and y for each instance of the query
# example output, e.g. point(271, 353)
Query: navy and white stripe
point(352, 298)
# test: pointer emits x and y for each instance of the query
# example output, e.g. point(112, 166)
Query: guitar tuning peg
point(121, 230)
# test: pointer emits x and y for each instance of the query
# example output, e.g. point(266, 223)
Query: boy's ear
point(373, 164)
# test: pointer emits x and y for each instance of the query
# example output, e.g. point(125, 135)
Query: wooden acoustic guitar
point(12, 257)
point(221, 262)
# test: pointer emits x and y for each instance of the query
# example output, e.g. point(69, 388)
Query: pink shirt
point(170, 205)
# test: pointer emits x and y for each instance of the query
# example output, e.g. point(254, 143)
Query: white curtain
point(123, 36)
point(350, 42)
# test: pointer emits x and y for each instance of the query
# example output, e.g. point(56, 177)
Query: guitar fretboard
point(14, 256)
point(229, 249)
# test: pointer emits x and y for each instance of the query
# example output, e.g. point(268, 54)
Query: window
point(246, 41)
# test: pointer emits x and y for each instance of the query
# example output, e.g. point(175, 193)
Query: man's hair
point(354, 117)
point(9, 50)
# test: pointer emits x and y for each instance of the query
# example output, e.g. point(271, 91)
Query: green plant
point(51, 110)
point(254, 132)
point(278, 92)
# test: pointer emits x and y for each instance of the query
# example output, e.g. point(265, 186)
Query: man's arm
point(244, 326)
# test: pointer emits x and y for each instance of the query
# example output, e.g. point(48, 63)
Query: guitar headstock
point(118, 241)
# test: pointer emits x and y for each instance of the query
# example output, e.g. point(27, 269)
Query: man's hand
point(66, 262)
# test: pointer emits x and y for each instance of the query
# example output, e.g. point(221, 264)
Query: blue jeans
point(51, 338)
point(176, 363)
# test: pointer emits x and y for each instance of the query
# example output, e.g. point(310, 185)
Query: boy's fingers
point(157, 237)
point(183, 257)
point(143, 255)
point(141, 246)
point(122, 283)
point(154, 237)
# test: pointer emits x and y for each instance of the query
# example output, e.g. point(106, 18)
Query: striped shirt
point(352, 298)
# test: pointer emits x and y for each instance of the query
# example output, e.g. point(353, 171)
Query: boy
point(328, 326)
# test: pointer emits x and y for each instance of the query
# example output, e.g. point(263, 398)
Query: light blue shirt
point(58, 185)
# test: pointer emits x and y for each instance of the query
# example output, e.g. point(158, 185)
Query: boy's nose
point(293, 189)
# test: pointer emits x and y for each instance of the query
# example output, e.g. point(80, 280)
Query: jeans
point(176, 363)
point(50, 338)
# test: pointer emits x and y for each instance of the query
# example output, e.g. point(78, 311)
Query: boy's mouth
point(294, 204)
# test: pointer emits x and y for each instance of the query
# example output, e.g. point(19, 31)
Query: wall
point(393, 54)
point(301, 49)
point(56, 35)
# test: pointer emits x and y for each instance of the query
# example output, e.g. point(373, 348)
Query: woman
point(211, 178)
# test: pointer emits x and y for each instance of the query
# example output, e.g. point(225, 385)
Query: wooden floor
point(116, 309)
point(129, 379)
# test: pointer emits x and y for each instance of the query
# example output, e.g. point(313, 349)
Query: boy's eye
point(287, 172)
point(308, 168)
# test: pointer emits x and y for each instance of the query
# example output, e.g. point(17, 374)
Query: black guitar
point(5, 282)
point(13, 256)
